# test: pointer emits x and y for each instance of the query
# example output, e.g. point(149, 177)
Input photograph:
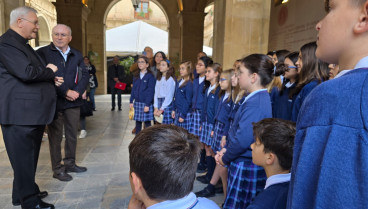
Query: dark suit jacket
point(111, 75)
point(27, 91)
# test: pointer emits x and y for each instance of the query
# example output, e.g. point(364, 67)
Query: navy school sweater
point(281, 104)
point(223, 111)
point(143, 89)
point(297, 104)
point(210, 104)
point(198, 95)
point(183, 98)
point(274, 197)
point(240, 137)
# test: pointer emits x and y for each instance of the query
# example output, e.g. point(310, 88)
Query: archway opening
point(208, 29)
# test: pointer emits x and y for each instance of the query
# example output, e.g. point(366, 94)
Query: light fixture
point(284, 1)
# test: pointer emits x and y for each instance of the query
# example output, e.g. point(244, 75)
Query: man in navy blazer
point(27, 103)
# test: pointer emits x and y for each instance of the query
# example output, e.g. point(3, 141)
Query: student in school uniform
point(164, 92)
point(220, 131)
point(183, 96)
point(211, 100)
point(330, 168)
point(197, 106)
point(245, 179)
point(273, 150)
point(142, 94)
point(282, 101)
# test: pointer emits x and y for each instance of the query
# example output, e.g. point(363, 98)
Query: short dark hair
point(280, 54)
point(260, 64)
point(165, 158)
point(277, 136)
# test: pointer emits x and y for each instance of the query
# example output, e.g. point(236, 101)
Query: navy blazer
point(183, 98)
point(274, 197)
point(210, 105)
point(240, 137)
point(223, 112)
point(198, 95)
point(27, 90)
point(143, 89)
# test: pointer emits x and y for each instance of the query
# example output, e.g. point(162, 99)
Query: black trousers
point(23, 147)
point(113, 92)
point(69, 120)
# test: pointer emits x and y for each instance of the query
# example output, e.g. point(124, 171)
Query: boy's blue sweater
point(198, 95)
point(210, 104)
point(143, 89)
point(274, 197)
point(300, 99)
point(330, 161)
point(183, 98)
point(240, 137)
point(223, 112)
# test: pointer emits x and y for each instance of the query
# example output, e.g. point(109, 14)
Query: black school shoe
point(201, 168)
point(206, 192)
point(41, 195)
point(203, 179)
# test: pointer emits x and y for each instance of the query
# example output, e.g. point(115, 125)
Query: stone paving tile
point(104, 152)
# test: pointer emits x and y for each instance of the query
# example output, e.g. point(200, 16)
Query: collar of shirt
point(181, 82)
point(65, 55)
point(288, 84)
point(184, 203)
point(363, 63)
point(141, 75)
point(251, 94)
point(226, 96)
point(201, 79)
point(277, 179)
point(210, 89)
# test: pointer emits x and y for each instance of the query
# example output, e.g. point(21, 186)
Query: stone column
point(241, 27)
point(192, 26)
point(74, 14)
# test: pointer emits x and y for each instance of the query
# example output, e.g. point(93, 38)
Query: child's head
point(291, 71)
point(279, 56)
point(213, 72)
point(165, 69)
point(143, 63)
point(225, 80)
point(255, 71)
point(342, 31)
point(159, 56)
point(186, 70)
point(334, 70)
point(202, 64)
point(274, 142)
point(163, 163)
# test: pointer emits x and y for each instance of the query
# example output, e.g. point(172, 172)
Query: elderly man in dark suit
point(115, 74)
point(27, 103)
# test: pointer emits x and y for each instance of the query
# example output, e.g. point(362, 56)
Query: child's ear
point(136, 182)
point(362, 25)
point(270, 158)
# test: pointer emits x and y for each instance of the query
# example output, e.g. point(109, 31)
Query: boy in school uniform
point(273, 150)
point(163, 163)
point(330, 162)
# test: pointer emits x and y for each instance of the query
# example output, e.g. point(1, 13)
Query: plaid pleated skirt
point(195, 122)
point(140, 115)
point(205, 136)
point(245, 181)
point(167, 112)
point(184, 124)
point(217, 136)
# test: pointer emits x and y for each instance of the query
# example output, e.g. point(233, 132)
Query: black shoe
point(75, 169)
point(62, 176)
point(94, 109)
point(44, 205)
point(203, 179)
point(201, 168)
point(119, 108)
point(205, 193)
point(112, 109)
point(219, 190)
point(41, 195)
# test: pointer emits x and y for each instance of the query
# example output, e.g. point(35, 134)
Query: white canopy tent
point(130, 39)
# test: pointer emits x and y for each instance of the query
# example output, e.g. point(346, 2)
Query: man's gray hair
point(69, 29)
point(20, 12)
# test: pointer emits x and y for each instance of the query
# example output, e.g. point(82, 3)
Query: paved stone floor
point(104, 152)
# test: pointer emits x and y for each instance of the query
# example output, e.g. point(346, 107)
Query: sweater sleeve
point(188, 98)
point(150, 91)
point(169, 93)
point(243, 137)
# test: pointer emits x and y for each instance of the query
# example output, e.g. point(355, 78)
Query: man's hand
point(52, 67)
point(72, 95)
point(134, 203)
point(116, 79)
point(59, 81)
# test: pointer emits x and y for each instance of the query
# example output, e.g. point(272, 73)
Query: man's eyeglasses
point(63, 35)
point(35, 23)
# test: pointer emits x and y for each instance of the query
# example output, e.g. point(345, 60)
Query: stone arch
point(2, 17)
point(44, 34)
